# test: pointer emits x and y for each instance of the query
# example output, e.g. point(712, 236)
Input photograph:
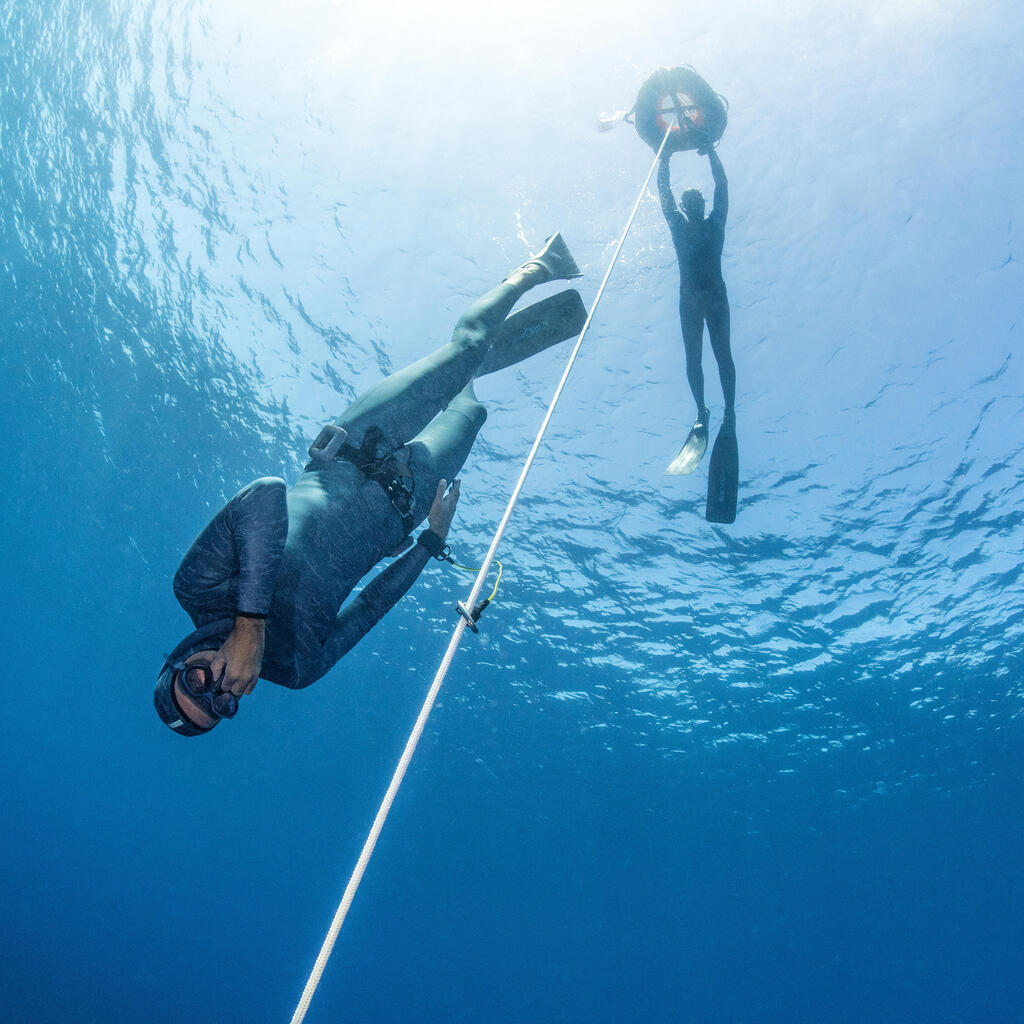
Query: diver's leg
point(439, 451)
point(718, 334)
point(401, 406)
point(691, 318)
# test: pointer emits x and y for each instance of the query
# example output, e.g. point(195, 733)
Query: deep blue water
point(768, 772)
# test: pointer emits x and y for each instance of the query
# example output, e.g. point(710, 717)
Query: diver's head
point(692, 202)
point(187, 697)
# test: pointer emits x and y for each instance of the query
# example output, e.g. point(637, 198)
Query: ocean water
point(687, 773)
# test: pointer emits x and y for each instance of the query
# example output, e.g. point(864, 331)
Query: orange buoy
point(680, 102)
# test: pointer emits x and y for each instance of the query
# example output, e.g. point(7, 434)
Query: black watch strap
point(430, 540)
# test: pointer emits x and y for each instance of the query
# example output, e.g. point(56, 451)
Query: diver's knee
point(470, 332)
point(470, 407)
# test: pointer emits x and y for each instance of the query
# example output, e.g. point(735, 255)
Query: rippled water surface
point(765, 772)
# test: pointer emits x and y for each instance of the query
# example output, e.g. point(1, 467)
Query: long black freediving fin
point(723, 477)
point(535, 328)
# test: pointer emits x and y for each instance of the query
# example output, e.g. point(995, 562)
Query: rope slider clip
point(472, 617)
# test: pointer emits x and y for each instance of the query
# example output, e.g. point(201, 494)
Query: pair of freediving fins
point(723, 470)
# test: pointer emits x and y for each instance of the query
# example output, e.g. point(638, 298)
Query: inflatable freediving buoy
point(680, 102)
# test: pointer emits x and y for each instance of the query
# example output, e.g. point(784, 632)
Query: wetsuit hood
point(206, 638)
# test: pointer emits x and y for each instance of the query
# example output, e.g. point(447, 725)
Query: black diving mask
point(198, 682)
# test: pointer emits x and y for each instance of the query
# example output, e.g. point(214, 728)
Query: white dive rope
point(435, 686)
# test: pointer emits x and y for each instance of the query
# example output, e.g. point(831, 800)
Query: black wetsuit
point(702, 295)
point(295, 554)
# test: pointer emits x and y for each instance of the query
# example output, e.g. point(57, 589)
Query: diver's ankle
point(528, 276)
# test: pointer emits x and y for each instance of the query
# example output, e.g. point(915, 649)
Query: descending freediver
point(698, 242)
point(265, 581)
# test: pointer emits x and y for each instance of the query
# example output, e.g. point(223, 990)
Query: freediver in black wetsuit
point(698, 242)
point(265, 581)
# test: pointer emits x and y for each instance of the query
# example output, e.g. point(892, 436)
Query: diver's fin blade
point(556, 259)
point(723, 478)
point(535, 328)
point(691, 453)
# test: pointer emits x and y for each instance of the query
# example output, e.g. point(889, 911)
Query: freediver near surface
point(266, 580)
point(676, 111)
point(698, 242)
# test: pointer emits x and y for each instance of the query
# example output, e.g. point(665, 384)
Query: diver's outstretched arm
point(668, 202)
point(375, 600)
point(720, 210)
